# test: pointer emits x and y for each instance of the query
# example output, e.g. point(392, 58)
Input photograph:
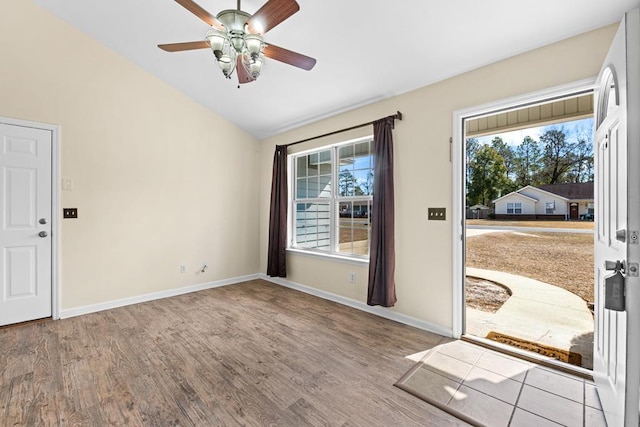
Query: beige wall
point(423, 172)
point(158, 179)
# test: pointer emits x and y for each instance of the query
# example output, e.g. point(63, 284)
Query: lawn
point(561, 259)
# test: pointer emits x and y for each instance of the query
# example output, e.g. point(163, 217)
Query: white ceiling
point(367, 50)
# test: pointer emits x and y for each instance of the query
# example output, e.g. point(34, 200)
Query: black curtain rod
point(397, 116)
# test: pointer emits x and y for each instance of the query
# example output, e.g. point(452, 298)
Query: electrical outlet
point(70, 213)
point(352, 277)
point(183, 268)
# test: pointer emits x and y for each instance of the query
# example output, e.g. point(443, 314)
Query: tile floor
point(499, 390)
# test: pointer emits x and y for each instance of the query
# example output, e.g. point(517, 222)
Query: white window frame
point(550, 207)
point(334, 202)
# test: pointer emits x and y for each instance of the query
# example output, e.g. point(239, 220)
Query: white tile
point(591, 397)
point(431, 385)
point(461, 350)
point(503, 365)
point(481, 407)
point(594, 417)
point(523, 418)
point(447, 366)
point(551, 406)
point(493, 384)
point(556, 383)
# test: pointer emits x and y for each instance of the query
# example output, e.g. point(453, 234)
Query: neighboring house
point(553, 201)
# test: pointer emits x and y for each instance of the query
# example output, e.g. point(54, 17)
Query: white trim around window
point(330, 197)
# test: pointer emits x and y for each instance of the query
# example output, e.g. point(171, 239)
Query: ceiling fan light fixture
point(236, 38)
point(227, 65)
point(255, 66)
point(216, 40)
point(254, 44)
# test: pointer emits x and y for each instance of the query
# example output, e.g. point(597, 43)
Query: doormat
point(541, 349)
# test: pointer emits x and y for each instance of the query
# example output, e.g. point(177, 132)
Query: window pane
point(325, 186)
point(313, 231)
point(354, 227)
point(312, 169)
point(301, 188)
point(302, 166)
point(346, 183)
point(346, 152)
point(361, 182)
point(325, 156)
point(313, 187)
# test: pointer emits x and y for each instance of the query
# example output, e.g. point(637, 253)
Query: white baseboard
point(77, 311)
point(377, 310)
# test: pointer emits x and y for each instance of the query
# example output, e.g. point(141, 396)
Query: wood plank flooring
point(249, 354)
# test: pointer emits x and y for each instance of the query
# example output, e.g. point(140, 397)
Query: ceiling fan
point(236, 38)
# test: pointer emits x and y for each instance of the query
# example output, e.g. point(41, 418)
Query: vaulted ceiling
point(367, 50)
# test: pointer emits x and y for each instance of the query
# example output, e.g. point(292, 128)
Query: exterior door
point(573, 211)
point(617, 155)
point(25, 224)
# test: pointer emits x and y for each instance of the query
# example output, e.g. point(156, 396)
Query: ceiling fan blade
point(243, 75)
point(289, 57)
point(178, 47)
point(271, 14)
point(201, 13)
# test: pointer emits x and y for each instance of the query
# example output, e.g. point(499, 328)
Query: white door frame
point(458, 158)
point(55, 205)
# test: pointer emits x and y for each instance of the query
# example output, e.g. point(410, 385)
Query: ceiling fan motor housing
point(234, 20)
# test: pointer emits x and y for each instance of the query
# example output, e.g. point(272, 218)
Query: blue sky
point(515, 137)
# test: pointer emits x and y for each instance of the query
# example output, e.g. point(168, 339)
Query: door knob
point(42, 234)
point(42, 221)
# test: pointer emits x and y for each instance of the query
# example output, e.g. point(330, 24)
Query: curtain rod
point(397, 116)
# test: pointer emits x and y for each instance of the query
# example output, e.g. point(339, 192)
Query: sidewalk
point(536, 312)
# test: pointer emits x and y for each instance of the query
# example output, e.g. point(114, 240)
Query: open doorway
point(527, 228)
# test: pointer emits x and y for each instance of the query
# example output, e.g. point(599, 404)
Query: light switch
point(437, 214)
point(67, 184)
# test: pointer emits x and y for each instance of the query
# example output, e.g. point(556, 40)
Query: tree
point(488, 176)
point(472, 146)
point(582, 169)
point(527, 163)
point(507, 154)
point(346, 183)
point(560, 156)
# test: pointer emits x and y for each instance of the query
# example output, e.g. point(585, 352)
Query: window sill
point(328, 256)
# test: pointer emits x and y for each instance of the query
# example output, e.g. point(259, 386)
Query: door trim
point(458, 167)
point(55, 205)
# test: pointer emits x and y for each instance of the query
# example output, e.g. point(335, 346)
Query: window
point(550, 207)
point(514, 208)
point(333, 191)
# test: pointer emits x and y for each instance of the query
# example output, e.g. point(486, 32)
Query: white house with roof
point(554, 201)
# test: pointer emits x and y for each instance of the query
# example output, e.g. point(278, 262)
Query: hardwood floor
point(248, 354)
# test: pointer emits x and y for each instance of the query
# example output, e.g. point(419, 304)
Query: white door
point(617, 156)
point(25, 228)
